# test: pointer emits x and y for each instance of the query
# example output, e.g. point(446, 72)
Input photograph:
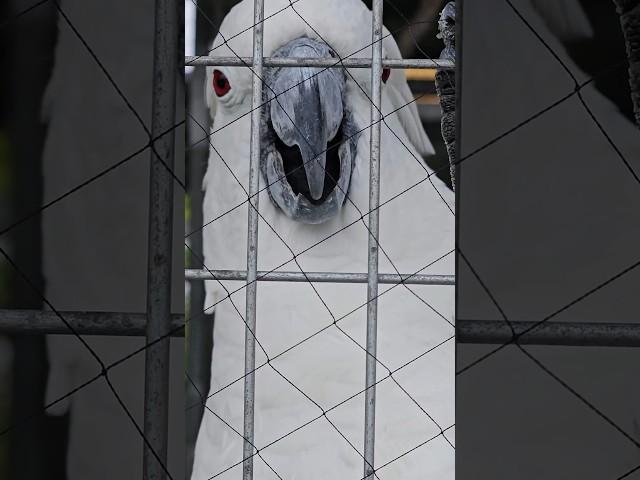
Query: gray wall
point(545, 214)
point(95, 242)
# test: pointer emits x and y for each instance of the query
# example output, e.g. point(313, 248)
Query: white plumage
point(416, 230)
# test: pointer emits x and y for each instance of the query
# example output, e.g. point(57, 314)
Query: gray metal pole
point(156, 393)
point(578, 334)
point(497, 332)
point(374, 202)
point(39, 322)
point(252, 243)
point(320, 62)
point(320, 277)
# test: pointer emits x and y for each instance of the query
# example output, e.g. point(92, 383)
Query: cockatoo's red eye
point(221, 83)
point(385, 74)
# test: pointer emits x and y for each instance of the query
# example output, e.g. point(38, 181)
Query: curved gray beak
point(308, 111)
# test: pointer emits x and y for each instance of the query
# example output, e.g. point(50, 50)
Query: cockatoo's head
point(308, 135)
point(310, 162)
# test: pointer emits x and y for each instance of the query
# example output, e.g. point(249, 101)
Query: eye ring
point(386, 73)
point(221, 83)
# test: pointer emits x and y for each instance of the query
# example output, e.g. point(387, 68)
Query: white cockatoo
point(310, 358)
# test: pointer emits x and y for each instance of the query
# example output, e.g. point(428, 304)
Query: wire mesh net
point(293, 257)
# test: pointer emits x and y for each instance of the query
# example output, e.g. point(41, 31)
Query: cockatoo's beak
point(306, 123)
point(307, 114)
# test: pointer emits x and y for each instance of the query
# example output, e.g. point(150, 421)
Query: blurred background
point(68, 88)
point(547, 214)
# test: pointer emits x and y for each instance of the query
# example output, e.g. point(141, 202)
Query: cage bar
point(358, 62)
point(372, 267)
point(494, 332)
point(320, 277)
point(577, 334)
point(252, 244)
point(156, 391)
point(41, 322)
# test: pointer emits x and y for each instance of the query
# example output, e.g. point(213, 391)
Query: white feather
point(400, 95)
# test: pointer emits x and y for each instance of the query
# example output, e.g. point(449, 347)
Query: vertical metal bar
point(156, 394)
point(374, 201)
point(252, 243)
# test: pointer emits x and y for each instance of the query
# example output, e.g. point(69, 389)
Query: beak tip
point(315, 172)
point(316, 195)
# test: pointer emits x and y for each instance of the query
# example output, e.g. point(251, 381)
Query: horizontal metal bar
point(39, 322)
point(199, 61)
point(321, 277)
point(550, 333)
